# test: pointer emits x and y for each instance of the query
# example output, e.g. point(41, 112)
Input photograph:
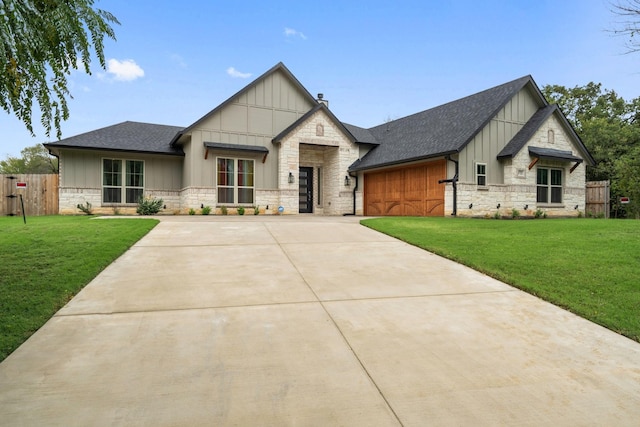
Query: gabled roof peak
point(278, 67)
point(441, 130)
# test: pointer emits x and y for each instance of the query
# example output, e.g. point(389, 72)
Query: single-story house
point(275, 146)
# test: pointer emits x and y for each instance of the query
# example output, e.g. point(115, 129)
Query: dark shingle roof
point(126, 136)
point(441, 130)
point(361, 134)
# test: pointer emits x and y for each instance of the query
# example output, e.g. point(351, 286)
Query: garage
point(406, 191)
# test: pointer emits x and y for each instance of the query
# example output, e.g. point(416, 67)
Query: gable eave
point(576, 138)
point(58, 147)
point(529, 81)
point(320, 107)
point(524, 135)
point(278, 67)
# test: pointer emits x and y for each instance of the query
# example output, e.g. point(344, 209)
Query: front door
point(306, 190)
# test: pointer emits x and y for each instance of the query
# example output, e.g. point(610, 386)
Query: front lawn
point(590, 267)
point(44, 263)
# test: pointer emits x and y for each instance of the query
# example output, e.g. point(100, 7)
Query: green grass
point(44, 263)
point(590, 267)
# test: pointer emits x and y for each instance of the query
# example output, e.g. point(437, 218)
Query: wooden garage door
point(407, 191)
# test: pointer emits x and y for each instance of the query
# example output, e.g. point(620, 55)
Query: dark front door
point(306, 190)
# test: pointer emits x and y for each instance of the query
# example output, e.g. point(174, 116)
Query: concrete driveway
point(307, 321)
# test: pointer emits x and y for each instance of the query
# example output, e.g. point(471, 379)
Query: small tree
point(35, 159)
point(41, 42)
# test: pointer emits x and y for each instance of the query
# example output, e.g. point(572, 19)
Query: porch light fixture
point(470, 205)
point(291, 178)
point(526, 207)
point(347, 181)
point(498, 207)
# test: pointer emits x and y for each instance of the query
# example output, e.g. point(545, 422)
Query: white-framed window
point(481, 174)
point(235, 181)
point(122, 181)
point(549, 185)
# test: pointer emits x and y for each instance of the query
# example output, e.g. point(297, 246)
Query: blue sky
point(373, 60)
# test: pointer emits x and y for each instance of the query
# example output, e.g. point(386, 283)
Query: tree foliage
point(34, 159)
point(609, 127)
point(628, 25)
point(41, 42)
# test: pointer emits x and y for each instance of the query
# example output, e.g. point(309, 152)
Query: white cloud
point(290, 32)
point(235, 73)
point(125, 70)
point(177, 59)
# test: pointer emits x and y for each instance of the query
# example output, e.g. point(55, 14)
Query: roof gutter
point(355, 188)
point(402, 162)
point(454, 182)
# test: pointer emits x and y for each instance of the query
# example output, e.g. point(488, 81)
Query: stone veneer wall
point(318, 143)
point(267, 201)
point(519, 188)
point(70, 198)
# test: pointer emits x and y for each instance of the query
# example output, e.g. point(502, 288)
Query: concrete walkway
point(305, 321)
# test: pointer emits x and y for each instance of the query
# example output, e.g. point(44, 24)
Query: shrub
point(256, 210)
point(192, 211)
point(496, 215)
point(539, 212)
point(240, 210)
point(86, 209)
point(515, 213)
point(223, 210)
point(206, 210)
point(149, 206)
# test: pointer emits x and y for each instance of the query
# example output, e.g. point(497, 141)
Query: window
point(235, 181)
point(481, 174)
point(114, 176)
point(549, 185)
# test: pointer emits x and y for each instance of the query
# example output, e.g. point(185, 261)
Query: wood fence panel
point(40, 196)
point(597, 198)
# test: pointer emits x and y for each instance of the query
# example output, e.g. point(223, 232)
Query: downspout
point(355, 188)
point(454, 183)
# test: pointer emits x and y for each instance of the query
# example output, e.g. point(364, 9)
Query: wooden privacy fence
point(39, 194)
point(597, 203)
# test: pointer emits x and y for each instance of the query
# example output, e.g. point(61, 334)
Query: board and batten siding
point(253, 118)
point(83, 169)
point(486, 145)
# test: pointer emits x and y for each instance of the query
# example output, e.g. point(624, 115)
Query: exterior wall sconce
point(498, 207)
point(526, 207)
point(347, 181)
point(470, 205)
point(291, 178)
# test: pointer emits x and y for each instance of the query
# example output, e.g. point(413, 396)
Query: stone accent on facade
point(330, 156)
point(70, 198)
point(519, 189)
point(196, 197)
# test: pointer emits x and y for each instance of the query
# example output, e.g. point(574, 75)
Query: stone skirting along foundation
point(484, 201)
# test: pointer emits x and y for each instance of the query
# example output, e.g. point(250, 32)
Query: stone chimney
point(323, 101)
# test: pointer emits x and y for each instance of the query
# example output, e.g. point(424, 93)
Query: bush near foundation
point(149, 206)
